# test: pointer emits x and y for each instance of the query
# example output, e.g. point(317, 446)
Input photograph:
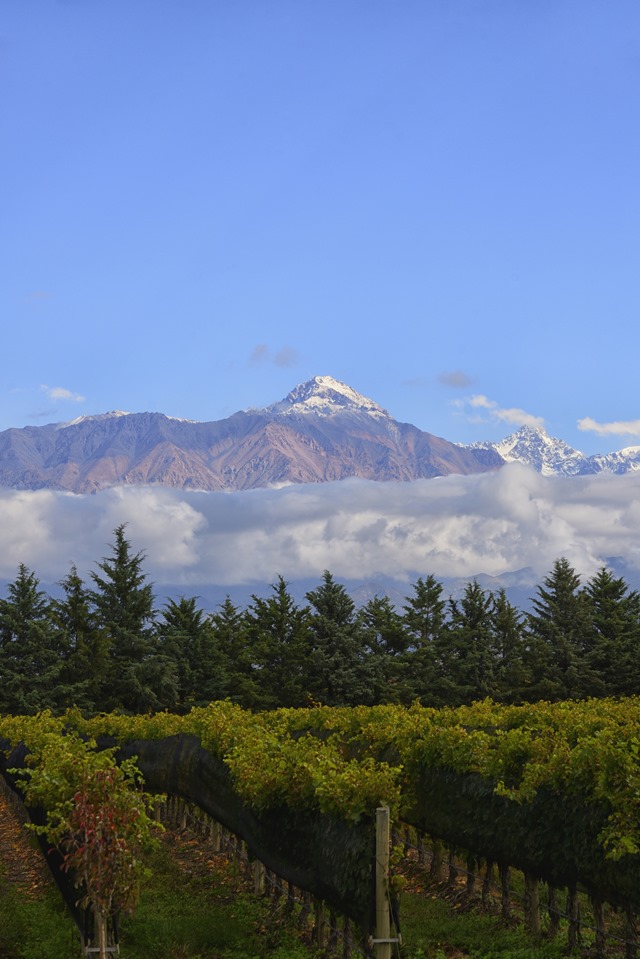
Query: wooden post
point(486, 883)
point(216, 830)
point(452, 872)
point(554, 913)
point(601, 929)
point(505, 891)
point(631, 943)
point(532, 905)
point(320, 924)
point(291, 899)
point(305, 910)
point(437, 864)
point(347, 942)
point(574, 933)
point(407, 842)
point(471, 875)
point(332, 944)
point(258, 877)
point(420, 845)
point(383, 919)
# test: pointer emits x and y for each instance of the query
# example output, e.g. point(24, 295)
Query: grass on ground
point(195, 907)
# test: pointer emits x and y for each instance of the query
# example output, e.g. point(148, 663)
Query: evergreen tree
point(86, 658)
point(279, 642)
point(511, 676)
point(31, 650)
point(614, 651)
point(385, 640)
point(139, 678)
point(468, 661)
point(559, 636)
point(187, 640)
point(425, 621)
point(338, 671)
point(230, 630)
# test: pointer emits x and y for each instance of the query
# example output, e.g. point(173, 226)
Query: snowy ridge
point(115, 414)
point(553, 457)
point(325, 396)
point(92, 419)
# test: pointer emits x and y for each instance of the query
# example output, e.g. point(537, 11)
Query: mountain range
point(323, 430)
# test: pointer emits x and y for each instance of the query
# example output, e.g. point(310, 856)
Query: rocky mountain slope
point(554, 457)
point(322, 431)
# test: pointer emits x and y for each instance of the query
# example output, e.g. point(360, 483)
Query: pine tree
point(385, 639)
point(31, 649)
point(510, 673)
point(559, 636)
point(230, 630)
point(138, 678)
point(468, 662)
point(614, 652)
point(425, 621)
point(279, 642)
point(338, 671)
point(187, 640)
point(86, 646)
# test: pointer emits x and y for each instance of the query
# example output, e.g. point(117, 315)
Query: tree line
point(104, 646)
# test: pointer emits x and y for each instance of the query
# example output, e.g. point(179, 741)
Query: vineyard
point(552, 790)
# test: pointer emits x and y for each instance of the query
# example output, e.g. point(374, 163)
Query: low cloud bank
point(452, 526)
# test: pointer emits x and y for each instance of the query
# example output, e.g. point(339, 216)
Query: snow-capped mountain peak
point(534, 447)
point(325, 396)
point(92, 419)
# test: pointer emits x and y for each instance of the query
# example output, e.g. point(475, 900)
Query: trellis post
point(382, 939)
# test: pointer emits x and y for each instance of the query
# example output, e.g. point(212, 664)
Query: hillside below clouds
point(322, 431)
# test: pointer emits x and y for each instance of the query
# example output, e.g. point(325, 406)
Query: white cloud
point(452, 526)
point(61, 393)
point(617, 428)
point(512, 415)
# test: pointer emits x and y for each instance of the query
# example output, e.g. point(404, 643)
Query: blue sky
point(207, 202)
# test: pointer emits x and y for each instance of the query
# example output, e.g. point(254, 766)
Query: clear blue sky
point(206, 202)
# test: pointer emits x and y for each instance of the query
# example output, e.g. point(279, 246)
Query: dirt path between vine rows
point(21, 862)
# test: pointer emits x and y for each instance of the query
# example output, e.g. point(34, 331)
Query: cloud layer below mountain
point(452, 526)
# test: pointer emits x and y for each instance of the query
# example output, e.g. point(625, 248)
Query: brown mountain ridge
point(321, 432)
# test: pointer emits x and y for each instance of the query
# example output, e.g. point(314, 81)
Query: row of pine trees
point(104, 645)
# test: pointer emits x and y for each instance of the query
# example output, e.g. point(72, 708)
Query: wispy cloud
point(285, 357)
point(616, 428)
point(513, 415)
point(457, 379)
point(61, 393)
point(453, 526)
point(37, 296)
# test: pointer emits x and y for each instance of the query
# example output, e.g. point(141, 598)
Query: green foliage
point(138, 677)
point(559, 630)
point(31, 648)
point(279, 646)
point(86, 659)
point(108, 648)
point(188, 641)
point(338, 671)
point(97, 814)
